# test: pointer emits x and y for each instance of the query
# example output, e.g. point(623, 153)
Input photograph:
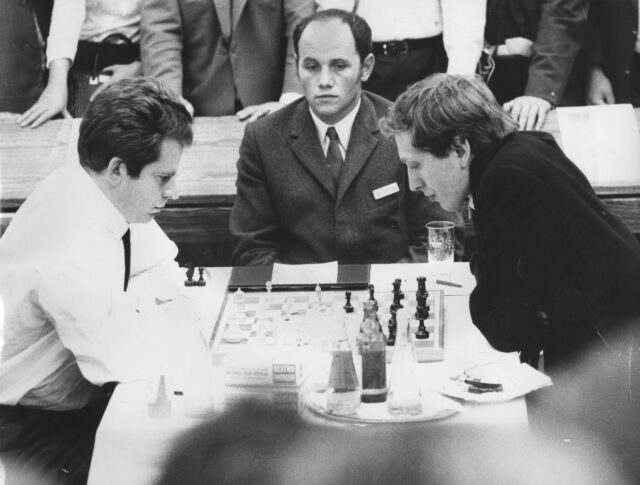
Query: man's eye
point(164, 179)
point(341, 67)
point(310, 67)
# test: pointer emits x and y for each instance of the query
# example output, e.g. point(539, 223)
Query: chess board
point(297, 319)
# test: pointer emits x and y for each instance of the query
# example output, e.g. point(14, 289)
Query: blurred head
point(131, 140)
point(333, 54)
point(439, 124)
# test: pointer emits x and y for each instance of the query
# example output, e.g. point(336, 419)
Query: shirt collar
point(343, 127)
point(102, 209)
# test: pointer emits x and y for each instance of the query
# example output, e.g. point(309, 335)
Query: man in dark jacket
point(555, 270)
point(317, 181)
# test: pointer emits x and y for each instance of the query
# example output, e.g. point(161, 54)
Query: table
point(206, 179)
point(131, 445)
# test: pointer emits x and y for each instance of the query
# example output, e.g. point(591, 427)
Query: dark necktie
point(334, 155)
point(126, 243)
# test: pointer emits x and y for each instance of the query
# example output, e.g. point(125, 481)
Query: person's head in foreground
point(255, 443)
point(131, 140)
point(334, 56)
point(439, 124)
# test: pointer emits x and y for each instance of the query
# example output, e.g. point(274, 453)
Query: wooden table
point(207, 180)
point(131, 444)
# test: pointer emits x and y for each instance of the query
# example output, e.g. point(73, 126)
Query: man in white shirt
point(415, 38)
point(78, 265)
point(317, 180)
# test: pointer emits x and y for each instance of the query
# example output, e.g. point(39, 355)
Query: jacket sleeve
point(161, 42)
point(513, 246)
point(294, 11)
point(254, 223)
point(561, 30)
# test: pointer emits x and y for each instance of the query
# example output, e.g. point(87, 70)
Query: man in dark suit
point(613, 53)
point(223, 55)
point(23, 25)
point(535, 46)
point(555, 270)
point(317, 181)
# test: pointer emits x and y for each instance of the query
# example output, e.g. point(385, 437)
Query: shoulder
point(280, 121)
point(379, 104)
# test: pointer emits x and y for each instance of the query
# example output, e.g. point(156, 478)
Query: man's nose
point(171, 190)
point(326, 77)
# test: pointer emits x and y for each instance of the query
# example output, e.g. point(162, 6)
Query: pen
point(448, 283)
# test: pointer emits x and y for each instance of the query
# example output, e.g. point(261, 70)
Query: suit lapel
point(306, 147)
point(361, 144)
point(238, 6)
point(224, 16)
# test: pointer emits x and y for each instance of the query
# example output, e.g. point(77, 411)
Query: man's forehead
point(322, 37)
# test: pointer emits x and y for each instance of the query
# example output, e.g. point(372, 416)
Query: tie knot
point(332, 134)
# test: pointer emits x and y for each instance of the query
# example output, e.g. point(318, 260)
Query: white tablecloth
point(131, 444)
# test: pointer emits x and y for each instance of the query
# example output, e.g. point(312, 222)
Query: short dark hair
point(129, 120)
point(359, 28)
point(442, 107)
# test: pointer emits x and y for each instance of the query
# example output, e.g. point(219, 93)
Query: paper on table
point(295, 274)
point(603, 141)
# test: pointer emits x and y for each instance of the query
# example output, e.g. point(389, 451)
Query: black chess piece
point(348, 307)
point(372, 297)
point(398, 295)
point(422, 309)
point(201, 281)
point(422, 333)
point(190, 281)
point(422, 284)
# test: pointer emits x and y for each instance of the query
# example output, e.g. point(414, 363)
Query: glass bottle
point(343, 390)
point(369, 315)
point(404, 389)
point(373, 346)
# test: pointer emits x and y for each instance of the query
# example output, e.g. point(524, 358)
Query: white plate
point(516, 379)
point(434, 407)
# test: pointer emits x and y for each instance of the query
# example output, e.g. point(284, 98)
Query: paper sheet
point(603, 141)
point(296, 274)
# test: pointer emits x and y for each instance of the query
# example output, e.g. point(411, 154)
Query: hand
point(599, 90)
point(118, 72)
point(529, 111)
point(256, 111)
point(53, 99)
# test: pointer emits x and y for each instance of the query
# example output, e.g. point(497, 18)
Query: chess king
point(317, 180)
point(77, 261)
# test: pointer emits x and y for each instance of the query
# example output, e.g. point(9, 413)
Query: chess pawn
point(404, 388)
point(343, 390)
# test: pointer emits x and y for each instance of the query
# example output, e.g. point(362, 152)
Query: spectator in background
point(23, 26)
point(224, 57)
point(534, 45)
point(415, 38)
point(614, 53)
point(91, 44)
point(317, 180)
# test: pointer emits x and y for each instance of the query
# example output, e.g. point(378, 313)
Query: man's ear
point(367, 67)
point(116, 170)
point(462, 150)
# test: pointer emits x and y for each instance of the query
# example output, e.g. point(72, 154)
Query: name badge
point(386, 191)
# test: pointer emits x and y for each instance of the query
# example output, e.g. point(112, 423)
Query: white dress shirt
point(67, 321)
point(461, 23)
point(92, 20)
point(343, 128)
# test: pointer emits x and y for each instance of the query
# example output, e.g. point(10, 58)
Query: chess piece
point(398, 295)
point(348, 307)
point(372, 297)
point(190, 281)
point(422, 333)
point(269, 297)
point(201, 281)
point(238, 300)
